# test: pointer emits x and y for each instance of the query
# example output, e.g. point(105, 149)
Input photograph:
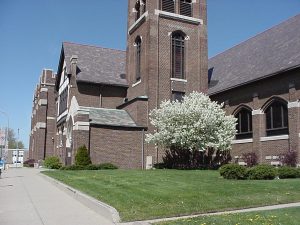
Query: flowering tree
point(196, 123)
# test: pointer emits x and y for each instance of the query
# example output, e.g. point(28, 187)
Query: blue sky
point(31, 33)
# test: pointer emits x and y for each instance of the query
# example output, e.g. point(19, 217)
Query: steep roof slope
point(97, 65)
point(267, 54)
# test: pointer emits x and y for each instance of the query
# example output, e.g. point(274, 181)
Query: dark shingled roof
point(97, 65)
point(267, 54)
point(111, 117)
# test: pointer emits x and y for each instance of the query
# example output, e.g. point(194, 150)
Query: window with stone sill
point(244, 124)
point(178, 55)
point(140, 8)
point(167, 5)
point(138, 44)
point(177, 95)
point(185, 8)
point(277, 119)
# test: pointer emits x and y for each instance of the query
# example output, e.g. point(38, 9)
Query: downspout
point(143, 149)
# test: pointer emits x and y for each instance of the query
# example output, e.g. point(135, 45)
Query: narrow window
point(244, 124)
point(138, 43)
point(138, 10)
point(63, 103)
point(168, 6)
point(186, 7)
point(143, 6)
point(178, 55)
point(277, 119)
point(177, 95)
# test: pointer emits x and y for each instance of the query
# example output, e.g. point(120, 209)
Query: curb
point(99, 207)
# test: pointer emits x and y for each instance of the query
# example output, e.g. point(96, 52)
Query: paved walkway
point(26, 198)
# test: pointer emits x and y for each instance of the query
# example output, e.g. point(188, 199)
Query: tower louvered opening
point(186, 7)
point(168, 5)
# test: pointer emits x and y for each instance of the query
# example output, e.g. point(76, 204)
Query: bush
point(52, 162)
point(178, 158)
point(262, 172)
point(73, 167)
point(107, 166)
point(91, 167)
point(287, 172)
point(289, 158)
point(250, 158)
point(29, 163)
point(233, 171)
point(159, 166)
point(82, 157)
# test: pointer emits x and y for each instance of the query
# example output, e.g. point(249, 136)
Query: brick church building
point(102, 97)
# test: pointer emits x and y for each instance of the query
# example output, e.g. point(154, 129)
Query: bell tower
point(166, 55)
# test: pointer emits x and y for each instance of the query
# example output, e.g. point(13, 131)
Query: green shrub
point(159, 166)
point(262, 172)
point(287, 172)
point(233, 171)
point(91, 167)
point(52, 162)
point(82, 157)
point(107, 166)
point(73, 167)
point(298, 176)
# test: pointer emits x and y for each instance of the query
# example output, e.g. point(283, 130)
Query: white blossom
point(196, 123)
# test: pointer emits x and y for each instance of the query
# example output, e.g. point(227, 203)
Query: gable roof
point(97, 65)
point(111, 117)
point(269, 53)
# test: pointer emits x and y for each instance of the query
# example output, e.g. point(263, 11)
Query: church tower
point(166, 55)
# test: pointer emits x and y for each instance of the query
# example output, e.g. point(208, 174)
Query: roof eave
point(254, 80)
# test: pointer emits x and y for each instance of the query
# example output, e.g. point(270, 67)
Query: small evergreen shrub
point(287, 172)
point(233, 171)
point(289, 158)
point(82, 157)
point(107, 166)
point(29, 163)
point(52, 162)
point(262, 172)
point(250, 158)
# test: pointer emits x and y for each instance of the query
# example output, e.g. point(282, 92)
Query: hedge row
point(260, 172)
point(103, 166)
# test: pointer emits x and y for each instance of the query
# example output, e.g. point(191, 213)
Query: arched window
point(244, 124)
point(138, 43)
point(185, 7)
point(137, 8)
point(167, 5)
point(178, 55)
point(277, 118)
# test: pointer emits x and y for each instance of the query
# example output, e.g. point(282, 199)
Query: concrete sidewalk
point(26, 198)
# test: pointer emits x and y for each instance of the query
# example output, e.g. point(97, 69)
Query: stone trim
point(50, 118)
point(178, 17)
point(295, 104)
point(242, 141)
point(81, 126)
point(41, 125)
point(43, 102)
point(44, 89)
point(137, 83)
point(257, 112)
point(274, 138)
point(180, 80)
point(137, 23)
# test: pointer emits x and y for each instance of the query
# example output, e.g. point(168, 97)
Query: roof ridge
point(256, 35)
point(89, 45)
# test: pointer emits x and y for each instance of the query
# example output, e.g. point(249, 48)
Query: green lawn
point(140, 195)
point(289, 216)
